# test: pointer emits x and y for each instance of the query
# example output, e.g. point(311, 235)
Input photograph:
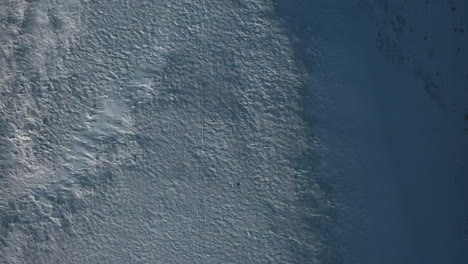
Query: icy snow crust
point(155, 132)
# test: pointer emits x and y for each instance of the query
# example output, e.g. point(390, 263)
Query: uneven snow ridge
point(155, 132)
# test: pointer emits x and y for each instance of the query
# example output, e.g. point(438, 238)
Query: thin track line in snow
point(201, 120)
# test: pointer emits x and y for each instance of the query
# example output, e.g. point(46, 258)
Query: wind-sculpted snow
point(155, 132)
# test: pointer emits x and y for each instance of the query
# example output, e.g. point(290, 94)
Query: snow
point(158, 132)
point(255, 131)
point(388, 94)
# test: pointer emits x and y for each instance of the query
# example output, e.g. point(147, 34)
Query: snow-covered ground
point(388, 93)
point(257, 131)
point(155, 132)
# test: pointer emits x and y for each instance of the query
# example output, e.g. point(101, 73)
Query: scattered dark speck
point(238, 183)
point(425, 37)
point(438, 73)
point(430, 53)
point(454, 8)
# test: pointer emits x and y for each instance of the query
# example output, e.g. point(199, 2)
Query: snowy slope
point(155, 132)
point(257, 131)
point(388, 93)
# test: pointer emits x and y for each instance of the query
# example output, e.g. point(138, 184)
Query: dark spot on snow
point(431, 88)
point(238, 184)
point(431, 53)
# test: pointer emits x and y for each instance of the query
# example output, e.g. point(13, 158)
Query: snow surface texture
point(253, 131)
point(389, 88)
point(155, 132)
